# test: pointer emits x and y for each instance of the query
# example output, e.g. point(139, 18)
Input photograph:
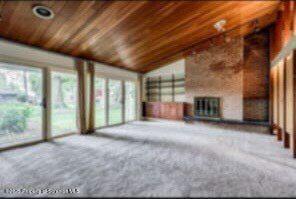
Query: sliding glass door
point(21, 103)
point(100, 99)
point(63, 103)
point(21, 109)
point(130, 101)
point(115, 102)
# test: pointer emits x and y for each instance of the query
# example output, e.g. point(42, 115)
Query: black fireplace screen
point(207, 107)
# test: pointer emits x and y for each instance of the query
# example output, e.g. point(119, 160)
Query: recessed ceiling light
point(219, 26)
point(43, 12)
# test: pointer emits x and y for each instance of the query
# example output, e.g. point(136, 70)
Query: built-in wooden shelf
point(164, 110)
point(179, 93)
point(159, 86)
point(168, 86)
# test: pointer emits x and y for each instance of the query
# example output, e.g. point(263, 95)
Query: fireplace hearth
point(207, 107)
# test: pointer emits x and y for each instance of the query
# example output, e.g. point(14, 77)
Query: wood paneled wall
point(283, 76)
point(283, 97)
point(274, 86)
point(284, 28)
point(289, 97)
point(281, 94)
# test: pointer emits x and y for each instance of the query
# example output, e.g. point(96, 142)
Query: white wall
point(177, 67)
point(115, 73)
point(24, 55)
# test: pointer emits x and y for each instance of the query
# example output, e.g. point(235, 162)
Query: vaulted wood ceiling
point(136, 35)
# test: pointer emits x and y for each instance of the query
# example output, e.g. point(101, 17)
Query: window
point(64, 103)
point(100, 99)
point(21, 108)
point(115, 102)
point(130, 101)
point(22, 100)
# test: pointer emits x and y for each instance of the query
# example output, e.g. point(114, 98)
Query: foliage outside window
point(64, 103)
point(20, 103)
point(115, 101)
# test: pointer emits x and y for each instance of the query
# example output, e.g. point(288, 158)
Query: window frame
point(107, 80)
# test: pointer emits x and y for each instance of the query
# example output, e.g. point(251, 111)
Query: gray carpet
point(153, 159)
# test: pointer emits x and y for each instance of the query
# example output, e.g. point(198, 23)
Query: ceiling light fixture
point(43, 12)
point(219, 26)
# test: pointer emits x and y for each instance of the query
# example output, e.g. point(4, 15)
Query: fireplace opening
point(207, 107)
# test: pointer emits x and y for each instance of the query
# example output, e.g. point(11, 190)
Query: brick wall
point(217, 72)
point(237, 72)
point(256, 76)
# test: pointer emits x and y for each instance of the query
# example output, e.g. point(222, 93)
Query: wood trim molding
point(293, 135)
point(47, 84)
point(92, 104)
point(82, 104)
point(279, 137)
point(271, 95)
point(285, 134)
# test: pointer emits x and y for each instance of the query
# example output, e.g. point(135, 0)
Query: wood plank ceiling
point(135, 35)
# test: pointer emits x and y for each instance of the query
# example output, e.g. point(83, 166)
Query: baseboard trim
point(226, 121)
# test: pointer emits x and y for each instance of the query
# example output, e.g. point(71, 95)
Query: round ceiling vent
point(43, 12)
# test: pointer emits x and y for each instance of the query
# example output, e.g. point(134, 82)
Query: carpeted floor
point(157, 158)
